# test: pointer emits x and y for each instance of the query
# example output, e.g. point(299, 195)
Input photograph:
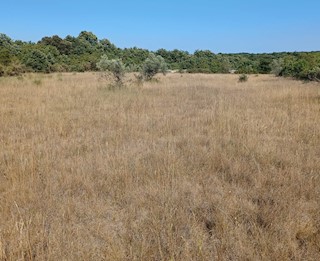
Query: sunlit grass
point(192, 167)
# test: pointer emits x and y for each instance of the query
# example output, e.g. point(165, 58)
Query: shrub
point(243, 78)
point(139, 79)
point(14, 69)
point(153, 65)
point(115, 67)
point(277, 67)
point(314, 74)
point(37, 82)
point(58, 68)
point(37, 61)
point(1, 70)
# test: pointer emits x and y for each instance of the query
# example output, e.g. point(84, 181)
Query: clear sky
point(226, 26)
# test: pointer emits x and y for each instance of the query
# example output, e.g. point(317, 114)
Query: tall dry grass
point(194, 167)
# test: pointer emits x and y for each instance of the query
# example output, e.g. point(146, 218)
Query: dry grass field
point(192, 167)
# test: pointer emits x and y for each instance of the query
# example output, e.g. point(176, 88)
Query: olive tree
point(277, 67)
point(152, 65)
point(115, 67)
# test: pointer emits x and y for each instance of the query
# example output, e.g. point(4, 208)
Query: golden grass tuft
point(193, 167)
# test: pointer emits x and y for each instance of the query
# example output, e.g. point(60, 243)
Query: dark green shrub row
point(82, 53)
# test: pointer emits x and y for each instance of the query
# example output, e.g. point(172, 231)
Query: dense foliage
point(115, 67)
point(152, 65)
point(82, 53)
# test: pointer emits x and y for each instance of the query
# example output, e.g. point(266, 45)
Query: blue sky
point(226, 26)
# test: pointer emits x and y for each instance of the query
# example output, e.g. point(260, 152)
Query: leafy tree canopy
point(82, 53)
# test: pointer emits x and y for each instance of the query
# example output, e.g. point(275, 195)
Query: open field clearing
point(193, 167)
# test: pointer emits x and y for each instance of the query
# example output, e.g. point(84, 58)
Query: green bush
point(153, 65)
point(1, 70)
point(277, 67)
point(15, 69)
point(243, 78)
point(303, 66)
point(314, 74)
point(114, 66)
point(58, 68)
point(37, 82)
point(37, 61)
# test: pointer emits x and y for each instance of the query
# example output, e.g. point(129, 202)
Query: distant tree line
point(82, 53)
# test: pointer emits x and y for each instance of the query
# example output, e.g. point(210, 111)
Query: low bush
point(153, 65)
point(115, 67)
point(243, 78)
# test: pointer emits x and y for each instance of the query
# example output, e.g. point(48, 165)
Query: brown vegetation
point(193, 167)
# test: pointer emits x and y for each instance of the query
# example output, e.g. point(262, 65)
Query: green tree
point(175, 59)
point(63, 46)
point(37, 61)
point(277, 66)
point(106, 47)
point(5, 56)
point(7, 50)
point(153, 65)
point(6, 41)
point(88, 37)
point(264, 65)
point(15, 68)
point(134, 57)
point(2, 72)
point(115, 67)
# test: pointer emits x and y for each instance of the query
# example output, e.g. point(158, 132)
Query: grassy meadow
point(189, 167)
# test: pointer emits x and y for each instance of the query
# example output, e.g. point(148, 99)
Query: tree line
point(82, 53)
